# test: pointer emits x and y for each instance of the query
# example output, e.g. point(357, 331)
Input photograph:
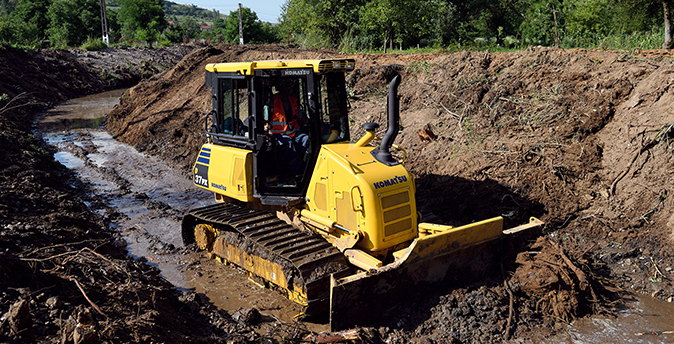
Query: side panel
point(351, 189)
point(225, 170)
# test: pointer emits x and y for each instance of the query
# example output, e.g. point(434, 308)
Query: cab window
point(233, 101)
point(332, 108)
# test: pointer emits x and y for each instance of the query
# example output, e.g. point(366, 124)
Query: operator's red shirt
point(279, 123)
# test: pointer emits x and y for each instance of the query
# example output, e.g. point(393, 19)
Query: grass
point(463, 82)
point(93, 44)
point(419, 67)
point(634, 41)
point(107, 75)
point(664, 134)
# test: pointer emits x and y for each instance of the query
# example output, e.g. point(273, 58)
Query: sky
point(266, 10)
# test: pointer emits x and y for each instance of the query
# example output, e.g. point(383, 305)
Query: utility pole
point(240, 26)
point(104, 23)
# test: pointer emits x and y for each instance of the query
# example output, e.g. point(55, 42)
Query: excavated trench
point(144, 198)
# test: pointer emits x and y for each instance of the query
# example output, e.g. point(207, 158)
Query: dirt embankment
point(578, 138)
point(64, 275)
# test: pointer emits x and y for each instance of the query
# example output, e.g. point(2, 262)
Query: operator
point(284, 125)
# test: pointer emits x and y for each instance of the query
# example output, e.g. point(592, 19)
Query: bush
point(93, 44)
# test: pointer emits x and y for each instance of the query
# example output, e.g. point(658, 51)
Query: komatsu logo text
point(219, 186)
point(388, 182)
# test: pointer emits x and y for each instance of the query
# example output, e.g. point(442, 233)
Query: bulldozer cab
point(282, 112)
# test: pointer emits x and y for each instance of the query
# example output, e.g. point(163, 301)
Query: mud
point(578, 138)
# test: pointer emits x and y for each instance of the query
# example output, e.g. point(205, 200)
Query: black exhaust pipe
point(383, 153)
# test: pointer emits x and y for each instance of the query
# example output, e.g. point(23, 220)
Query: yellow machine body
point(225, 170)
point(353, 190)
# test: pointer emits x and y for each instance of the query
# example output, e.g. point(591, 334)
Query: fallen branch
point(655, 265)
point(87, 297)
point(582, 278)
point(654, 333)
point(454, 115)
point(511, 306)
point(16, 98)
point(61, 245)
point(73, 255)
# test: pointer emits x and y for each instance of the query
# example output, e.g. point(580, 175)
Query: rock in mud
point(20, 320)
point(248, 316)
point(81, 327)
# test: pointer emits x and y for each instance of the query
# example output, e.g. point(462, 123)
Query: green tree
point(379, 18)
point(543, 22)
point(73, 21)
point(253, 29)
point(404, 22)
point(114, 27)
point(8, 6)
point(142, 19)
point(15, 31)
point(445, 23)
point(270, 33)
point(489, 19)
point(33, 12)
point(637, 15)
point(26, 21)
point(587, 16)
point(330, 19)
point(190, 28)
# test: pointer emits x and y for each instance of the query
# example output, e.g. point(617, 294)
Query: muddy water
point(643, 320)
point(145, 198)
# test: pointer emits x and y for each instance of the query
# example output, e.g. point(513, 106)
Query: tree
point(327, 18)
point(71, 22)
point(489, 19)
point(190, 28)
point(8, 6)
point(405, 22)
point(445, 23)
point(15, 31)
point(645, 15)
point(378, 17)
point(587, 16)
point(253, 29)
point(33, 12)
point(543, 22)
point(666, 6)
point(142, 19)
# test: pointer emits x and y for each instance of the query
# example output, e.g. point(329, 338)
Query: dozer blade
point(450, 256)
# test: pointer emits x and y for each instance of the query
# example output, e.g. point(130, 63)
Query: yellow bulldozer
point(329, 222)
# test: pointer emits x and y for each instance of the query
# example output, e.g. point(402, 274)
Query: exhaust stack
point(383, 153)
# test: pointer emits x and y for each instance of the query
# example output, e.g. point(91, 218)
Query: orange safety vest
point(279, 122)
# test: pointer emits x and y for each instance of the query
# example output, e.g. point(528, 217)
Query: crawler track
point(297, 262)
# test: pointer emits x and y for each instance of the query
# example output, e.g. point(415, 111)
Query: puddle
point(68, 160)
point(85, 112)
point(645, 320)
point(145, 199)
